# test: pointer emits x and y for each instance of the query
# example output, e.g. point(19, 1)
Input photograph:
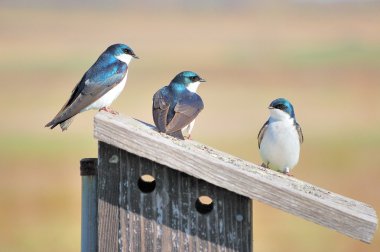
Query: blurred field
point(325, 59)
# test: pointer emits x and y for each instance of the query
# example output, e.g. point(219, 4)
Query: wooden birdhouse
point(150, 192)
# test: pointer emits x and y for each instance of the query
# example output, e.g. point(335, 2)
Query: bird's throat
point(192, 87)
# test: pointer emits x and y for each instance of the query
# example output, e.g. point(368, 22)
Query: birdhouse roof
point(345, 215)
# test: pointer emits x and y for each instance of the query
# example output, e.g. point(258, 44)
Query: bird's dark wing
point(160, 108)
point(97, 81)
point(74, 94)
point(262, 132)
point(299, 130)
point(186, 110)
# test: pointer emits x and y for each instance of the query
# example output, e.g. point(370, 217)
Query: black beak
point(201, 80)
point(270, 107)
point(134, 56)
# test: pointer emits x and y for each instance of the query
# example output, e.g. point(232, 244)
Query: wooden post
point(146, 206)
point(89, 205)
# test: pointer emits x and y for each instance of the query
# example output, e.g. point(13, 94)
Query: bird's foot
point(109, 110)
point(264, 165)
point(287, 172)
point(188, 137)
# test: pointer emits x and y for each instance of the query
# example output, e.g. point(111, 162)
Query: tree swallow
point(175, 106)
point(280, 138)
point(99, 86)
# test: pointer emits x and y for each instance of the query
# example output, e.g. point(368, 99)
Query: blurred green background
point(324, 57)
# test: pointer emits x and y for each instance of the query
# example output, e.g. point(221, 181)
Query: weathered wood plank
point(185, 209)
point(125, 213)
point(148, 210)
point(166, 218)
point(108, 198)
point(347, 216)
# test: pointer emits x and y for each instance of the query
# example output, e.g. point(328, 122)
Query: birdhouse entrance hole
point(204, 204)
point(146, 183)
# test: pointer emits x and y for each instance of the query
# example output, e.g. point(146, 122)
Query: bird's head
point(122, 52)
point(281, 109)
point(189, 80)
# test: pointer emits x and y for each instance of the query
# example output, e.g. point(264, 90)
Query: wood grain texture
point(345, 215)
point(165, 219)
point(108, 199)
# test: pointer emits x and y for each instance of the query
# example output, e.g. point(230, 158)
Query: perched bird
point(280, 138)
point(175, 106)
point(99, 86)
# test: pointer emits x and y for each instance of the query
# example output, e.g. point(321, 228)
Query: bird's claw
point(287, 172)
point(109, 110)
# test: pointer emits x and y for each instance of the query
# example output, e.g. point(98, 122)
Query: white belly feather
point(107, 99)
point(280, 146)
point(192, 87)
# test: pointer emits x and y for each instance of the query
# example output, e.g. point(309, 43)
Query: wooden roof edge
point(350, 217)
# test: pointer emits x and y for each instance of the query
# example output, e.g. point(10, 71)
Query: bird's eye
point(281, 106)
point(127, 51)
point(194, 78)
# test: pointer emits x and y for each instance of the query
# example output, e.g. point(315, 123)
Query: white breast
point(280, 145)
point(107, 99)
